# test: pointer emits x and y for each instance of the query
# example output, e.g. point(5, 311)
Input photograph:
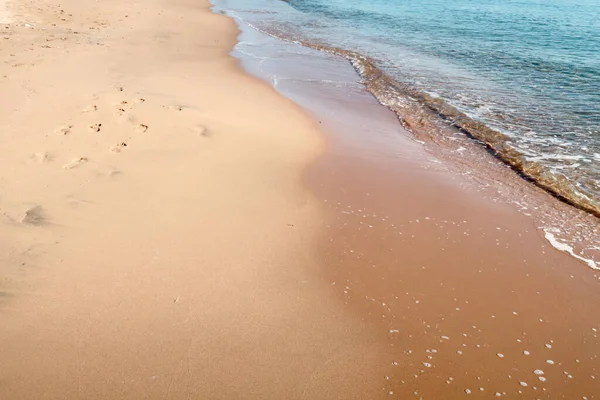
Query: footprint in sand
point(94, 127)
point(75, 163)
point(90, 108)
point(34, 216)
point(63, 130)
point(108, 172)
point(76, 202)
point(140, 128)
point(117, 148)
point(121, 108)
point(41, 157)
point(201, 130)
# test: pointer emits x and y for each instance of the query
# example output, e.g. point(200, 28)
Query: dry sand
point(155, 236)
point(4, 14)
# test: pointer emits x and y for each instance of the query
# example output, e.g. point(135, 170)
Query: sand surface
point(443, 251)
point(4, 14)
point(154, 233)
point(472, 298)
point(158, 239)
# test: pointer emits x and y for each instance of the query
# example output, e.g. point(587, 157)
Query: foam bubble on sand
point(568, 249)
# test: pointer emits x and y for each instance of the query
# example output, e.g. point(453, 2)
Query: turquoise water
point(527, 72)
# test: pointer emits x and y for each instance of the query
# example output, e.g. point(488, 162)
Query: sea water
point(522, 76)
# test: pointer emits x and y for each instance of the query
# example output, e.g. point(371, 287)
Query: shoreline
point(454, 274)
point(566, 227)
point(423, 113)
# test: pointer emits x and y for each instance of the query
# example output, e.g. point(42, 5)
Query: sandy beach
point(172, 227)
point(155, 233)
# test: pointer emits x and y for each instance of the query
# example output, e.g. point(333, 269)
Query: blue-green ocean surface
point(526, 69)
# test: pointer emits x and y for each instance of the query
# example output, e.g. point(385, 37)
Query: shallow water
point(524, 77)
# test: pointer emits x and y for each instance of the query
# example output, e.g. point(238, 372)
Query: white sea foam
point(568, 249)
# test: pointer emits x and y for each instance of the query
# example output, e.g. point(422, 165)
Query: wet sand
point(470, 296)
point(447, 257)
